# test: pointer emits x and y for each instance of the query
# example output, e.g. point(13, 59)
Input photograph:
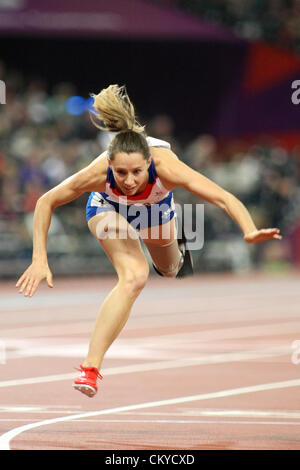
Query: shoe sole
point(85, 389)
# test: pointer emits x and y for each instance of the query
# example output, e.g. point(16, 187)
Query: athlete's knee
point(135, 280)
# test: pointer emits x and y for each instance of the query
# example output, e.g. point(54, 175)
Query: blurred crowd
point(274, 21)
point(42, 144)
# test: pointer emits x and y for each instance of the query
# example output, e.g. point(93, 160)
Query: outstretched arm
point(174, 173)
point(89, 179)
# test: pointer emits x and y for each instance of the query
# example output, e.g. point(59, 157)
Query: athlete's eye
point(136, 172)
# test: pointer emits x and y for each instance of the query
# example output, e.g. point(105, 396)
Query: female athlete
point(131, 199)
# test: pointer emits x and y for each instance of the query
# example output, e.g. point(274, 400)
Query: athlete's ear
point(149, 161)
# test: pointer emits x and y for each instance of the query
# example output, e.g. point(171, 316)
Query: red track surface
point(203, 363)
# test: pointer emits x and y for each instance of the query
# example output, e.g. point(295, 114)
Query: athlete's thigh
point(119, 240)
point(160, 235)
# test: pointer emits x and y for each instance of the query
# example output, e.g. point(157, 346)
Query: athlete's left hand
point(263, 235)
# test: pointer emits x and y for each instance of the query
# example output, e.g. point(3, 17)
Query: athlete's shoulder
point(154, 142)
point(94, 175)
point(166, 164)
point(100, 163)
point(163, 156)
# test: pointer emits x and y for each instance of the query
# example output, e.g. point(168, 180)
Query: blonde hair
point(115, 110)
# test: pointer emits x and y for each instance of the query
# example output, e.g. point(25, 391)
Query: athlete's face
point(130, 172)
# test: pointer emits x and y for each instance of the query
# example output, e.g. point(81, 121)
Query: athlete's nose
point(129, 180)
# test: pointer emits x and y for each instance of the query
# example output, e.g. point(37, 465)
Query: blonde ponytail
point(114, 111)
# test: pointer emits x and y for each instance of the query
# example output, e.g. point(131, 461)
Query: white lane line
point(6, 437)
point(160, 365)
point(279, 415)
point(220, 413)
point(172, 421)
point(191, 421)
point(33, 410)
point(175, 415)
point(37, 380)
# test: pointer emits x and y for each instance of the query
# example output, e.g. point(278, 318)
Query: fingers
point(22, 283)
point(28, 286)
point(20, 280)
point(263, 235)
point(269, 231)
point(31, 287)
point(50, 280)
point(274, 233)
point(29, 281)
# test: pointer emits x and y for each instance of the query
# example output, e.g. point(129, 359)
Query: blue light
point(76, 105)
point(90, 104)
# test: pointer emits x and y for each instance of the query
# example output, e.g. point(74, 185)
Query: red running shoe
point(87, 381)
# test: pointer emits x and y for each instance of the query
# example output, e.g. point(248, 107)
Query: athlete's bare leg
point(161, 242)
point(132, 269)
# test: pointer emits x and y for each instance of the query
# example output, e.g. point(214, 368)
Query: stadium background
point(214, 78)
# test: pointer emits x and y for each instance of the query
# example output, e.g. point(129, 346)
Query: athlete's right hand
point(30, 279)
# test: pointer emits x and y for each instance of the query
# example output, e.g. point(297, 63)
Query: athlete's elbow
point(224, 200)
point(45, 202)
point(227, 201)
